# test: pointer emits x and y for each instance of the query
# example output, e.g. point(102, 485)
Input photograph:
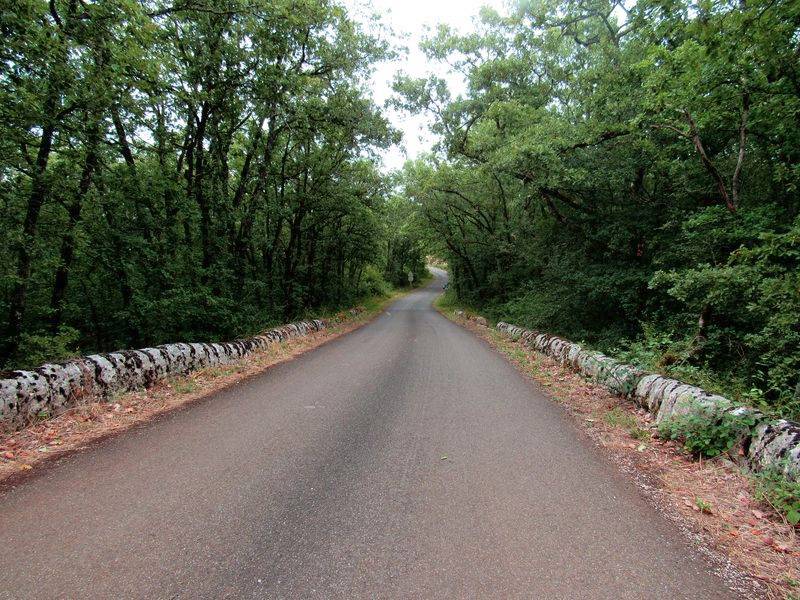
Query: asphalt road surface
point(405, 460)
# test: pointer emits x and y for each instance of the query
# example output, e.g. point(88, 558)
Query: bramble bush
point(779, 491)
point(708, 432)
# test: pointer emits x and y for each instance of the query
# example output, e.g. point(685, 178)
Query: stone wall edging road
point(770, 441)
point(55, 387)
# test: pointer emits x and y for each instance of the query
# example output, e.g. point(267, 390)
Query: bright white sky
point(411, 21)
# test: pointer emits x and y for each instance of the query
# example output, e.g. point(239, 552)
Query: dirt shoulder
point(711, 502)
point(31, 448)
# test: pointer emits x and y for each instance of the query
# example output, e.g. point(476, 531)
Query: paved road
point(325, 478)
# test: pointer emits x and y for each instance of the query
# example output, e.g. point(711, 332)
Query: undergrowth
point(676, 357)
point(707, 432)
point(782, 493)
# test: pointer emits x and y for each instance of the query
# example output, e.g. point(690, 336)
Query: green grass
point(448, 303)
point(183, 385)
point(215, 372)
point(617, 417)
point(622, 419)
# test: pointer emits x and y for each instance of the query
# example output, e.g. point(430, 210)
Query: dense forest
point(186, 170)
point(626, 174)
point(621, 173)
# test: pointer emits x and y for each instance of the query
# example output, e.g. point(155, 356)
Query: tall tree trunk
point(67, 252)
point(290, 263)
point(120, 272)
point(24, 251)
point(199, 196)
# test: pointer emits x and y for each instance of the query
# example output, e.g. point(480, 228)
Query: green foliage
point(627, 178)
point(673, 355)
point(707, 432)
point(39, 349)
point(703, 505)
point(448, 300)
point(373, 283)
point(773, 487)
point(194, 172)
point(405, 249)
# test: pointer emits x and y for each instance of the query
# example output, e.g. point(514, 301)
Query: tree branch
point(736, 181)
point(712, 170)
point(604, 137)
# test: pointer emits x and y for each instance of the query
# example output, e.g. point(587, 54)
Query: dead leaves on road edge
point(710, 501)
point(24, 450)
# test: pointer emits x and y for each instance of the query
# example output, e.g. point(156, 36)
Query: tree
point(607, 168)
point(182, 170)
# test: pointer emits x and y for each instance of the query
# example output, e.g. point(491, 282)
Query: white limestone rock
point(51, 388)
point(776, 442)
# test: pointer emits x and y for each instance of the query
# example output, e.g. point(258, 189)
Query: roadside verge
point(714, 502)
point(98, 417)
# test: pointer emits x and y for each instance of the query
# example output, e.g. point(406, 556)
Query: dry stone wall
point(53, 388)
point(771, 442)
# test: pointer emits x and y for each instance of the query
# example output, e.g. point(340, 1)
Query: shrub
point(41, 348)
point(448, 300)
point(373, 283)
point(708, 432)
point(779, 491)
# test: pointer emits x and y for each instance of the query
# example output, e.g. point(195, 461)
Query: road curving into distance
point(404, 460)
